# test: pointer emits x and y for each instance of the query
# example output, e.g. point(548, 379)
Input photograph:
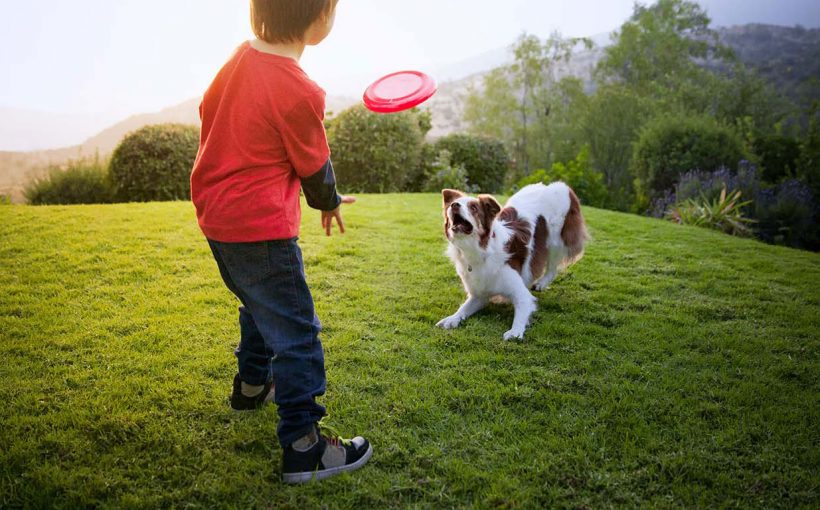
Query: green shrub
point(5, 200)
point(671, 145)
point(376, 153)
point(724, 213)
point(154, 163)
point(778, 156)
point(83, 181)
point(445, 175)
point(485, 159)
point(587, 182)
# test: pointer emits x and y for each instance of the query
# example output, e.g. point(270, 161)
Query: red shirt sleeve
point(303, 135)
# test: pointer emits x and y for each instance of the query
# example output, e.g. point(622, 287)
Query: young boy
point(263, 139)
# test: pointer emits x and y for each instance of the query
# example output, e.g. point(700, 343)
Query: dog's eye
point(473, 207)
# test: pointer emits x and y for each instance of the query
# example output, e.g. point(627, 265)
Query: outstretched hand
point(327, 216)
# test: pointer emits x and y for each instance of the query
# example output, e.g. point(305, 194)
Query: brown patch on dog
point(518, 245)
point(574, 234)
point(487, 211)
point(449, 196)
point(540, 250)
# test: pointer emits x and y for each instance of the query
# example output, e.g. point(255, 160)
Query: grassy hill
point(671, 367)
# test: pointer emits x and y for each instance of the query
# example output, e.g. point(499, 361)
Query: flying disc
point(399, 91)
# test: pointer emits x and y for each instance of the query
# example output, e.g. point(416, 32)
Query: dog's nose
point(456, 206)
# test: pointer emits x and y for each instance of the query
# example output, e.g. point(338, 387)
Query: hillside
point(671, 367)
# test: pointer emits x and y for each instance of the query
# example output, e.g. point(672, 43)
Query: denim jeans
point(279, 329)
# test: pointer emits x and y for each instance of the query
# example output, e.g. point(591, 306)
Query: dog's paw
point(450, 322)
point(514, 334)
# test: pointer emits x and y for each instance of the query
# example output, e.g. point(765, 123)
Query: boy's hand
point(327, 216)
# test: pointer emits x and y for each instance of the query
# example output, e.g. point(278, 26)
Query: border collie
point(505, 252)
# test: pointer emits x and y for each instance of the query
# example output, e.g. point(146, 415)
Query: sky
point(113, 58)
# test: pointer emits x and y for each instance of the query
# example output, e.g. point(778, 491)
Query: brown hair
point(283, 21)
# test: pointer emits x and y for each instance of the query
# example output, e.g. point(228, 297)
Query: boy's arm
point(320, 189)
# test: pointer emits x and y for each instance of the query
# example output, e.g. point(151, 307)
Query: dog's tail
point(574, 233)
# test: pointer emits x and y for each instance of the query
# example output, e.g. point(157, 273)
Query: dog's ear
point(491, 207)
point(450, 196)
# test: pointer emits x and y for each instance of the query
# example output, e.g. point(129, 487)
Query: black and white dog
point(505, 252)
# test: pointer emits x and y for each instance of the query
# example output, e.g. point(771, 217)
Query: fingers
point(339, 220)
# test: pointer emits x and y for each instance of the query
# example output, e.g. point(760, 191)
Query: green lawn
point(671, 367)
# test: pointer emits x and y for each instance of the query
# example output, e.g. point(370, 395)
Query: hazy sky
point(120, 57)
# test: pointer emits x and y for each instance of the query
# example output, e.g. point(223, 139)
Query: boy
point(262, 140)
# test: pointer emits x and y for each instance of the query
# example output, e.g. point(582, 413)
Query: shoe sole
point(309, 476)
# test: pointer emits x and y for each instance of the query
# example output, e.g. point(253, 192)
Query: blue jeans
point(279, 329)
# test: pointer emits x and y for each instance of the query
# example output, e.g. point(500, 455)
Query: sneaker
point(240, 402)
point(322, 454)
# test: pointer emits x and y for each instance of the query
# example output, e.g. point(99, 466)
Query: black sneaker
point(240, 402)
point(322, 454)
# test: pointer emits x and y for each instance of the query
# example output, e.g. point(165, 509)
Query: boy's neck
point(292, 50)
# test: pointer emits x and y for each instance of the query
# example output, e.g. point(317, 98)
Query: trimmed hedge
point(486, 160)
point(154, 163)
point(671, 145)
point(375, 153)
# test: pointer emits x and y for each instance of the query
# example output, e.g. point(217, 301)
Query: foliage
point(725, 213)
point(525, 103)
point(610, 125)
point(671, 367)
point(778, 156)
point(657, 49)
point(446, 175)
point(671, 145)
point(154, 163)
point(587, 183)
point(788, 214)
point(376, 153)
point(485, 159)
point(5, 199)
point(83, 181)
point(808, 166)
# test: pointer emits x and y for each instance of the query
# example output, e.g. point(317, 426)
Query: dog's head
point(467, 217)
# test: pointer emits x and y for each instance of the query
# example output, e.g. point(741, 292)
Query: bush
point(154, 163)
point(445, 175)
point(671, 145)
point(84, 181)
point(724, 213)
point(783, 214)
point(376, 153)
point(787, 214)
point(587, 183)
point(778, 156)
point(485, 159)
point(5, 200)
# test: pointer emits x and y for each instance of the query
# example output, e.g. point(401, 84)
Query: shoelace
point(331, 435)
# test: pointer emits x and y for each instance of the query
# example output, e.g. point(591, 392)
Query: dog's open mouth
point(461, 225)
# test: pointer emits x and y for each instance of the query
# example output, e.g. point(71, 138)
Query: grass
point(671, 367)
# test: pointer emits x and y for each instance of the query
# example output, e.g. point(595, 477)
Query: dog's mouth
point(461, 225)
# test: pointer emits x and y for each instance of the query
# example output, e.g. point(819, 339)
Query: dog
point(506, 252)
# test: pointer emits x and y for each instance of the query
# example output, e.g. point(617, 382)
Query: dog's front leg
point(471, 306)
point(525, 306)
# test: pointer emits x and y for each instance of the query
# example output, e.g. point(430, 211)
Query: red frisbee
point(399, 91)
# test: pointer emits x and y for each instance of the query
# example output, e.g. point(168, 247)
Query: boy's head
point(288, 21)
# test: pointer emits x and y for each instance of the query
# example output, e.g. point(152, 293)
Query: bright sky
point(120, 57)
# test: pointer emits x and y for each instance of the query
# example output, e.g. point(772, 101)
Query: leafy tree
point(587, 183)
point(522, 105)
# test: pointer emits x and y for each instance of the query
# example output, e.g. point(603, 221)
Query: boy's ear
point(450, 196)
point(490, 205)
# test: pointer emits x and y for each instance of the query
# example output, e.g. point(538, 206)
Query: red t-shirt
point(262, 130)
